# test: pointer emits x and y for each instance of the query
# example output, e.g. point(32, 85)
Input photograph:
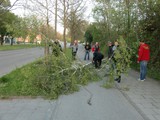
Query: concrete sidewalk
point(144, 96)
point(26, 109)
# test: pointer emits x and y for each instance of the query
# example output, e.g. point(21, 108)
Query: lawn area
point(46, 79)
point(15, 47)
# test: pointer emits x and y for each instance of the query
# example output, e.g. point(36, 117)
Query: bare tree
point(76, 21)
point(6, 6)
point(72, 17)
point(64, 18)
point(44, 10)
point(56, 4)
point(69, 12)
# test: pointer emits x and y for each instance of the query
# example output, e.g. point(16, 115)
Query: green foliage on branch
point(121, 62)
point(122, 56)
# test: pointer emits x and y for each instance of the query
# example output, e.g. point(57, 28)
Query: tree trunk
point(64, 21)
point(55, 19)
point(47, 38)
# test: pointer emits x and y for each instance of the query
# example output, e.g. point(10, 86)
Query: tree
point(43, 10)
point(88, 36)
point(76, 23)
point(134, 20)
point(25, 27)
point(4, 5)
point(4, 13)
point(56, 11)
point(6, 20)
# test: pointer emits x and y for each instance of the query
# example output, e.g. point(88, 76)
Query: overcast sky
point(20, 12)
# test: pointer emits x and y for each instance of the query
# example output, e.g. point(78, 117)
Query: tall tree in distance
point(56, 6)
point(43, 9)
point(76, 21)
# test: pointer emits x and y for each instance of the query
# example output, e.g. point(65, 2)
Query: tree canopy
point(134, 20)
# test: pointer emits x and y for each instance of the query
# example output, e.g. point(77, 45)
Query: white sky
point(20, 12)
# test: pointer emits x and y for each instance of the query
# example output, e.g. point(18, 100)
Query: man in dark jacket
point(98, 59)
point(110, 50)
point(56, 48)
point(87, 50)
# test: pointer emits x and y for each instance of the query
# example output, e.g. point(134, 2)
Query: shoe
point(141, 80)
point(119, 80)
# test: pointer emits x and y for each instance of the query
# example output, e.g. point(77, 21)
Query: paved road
point(105, 104)
point(10, 60)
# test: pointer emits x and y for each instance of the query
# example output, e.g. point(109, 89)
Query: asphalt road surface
point(10, 60)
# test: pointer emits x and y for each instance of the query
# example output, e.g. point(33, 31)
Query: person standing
point(110, 50)
point(96, 47)
point(110, 55)
point(87, 50)
point(74, 49)
point(115, 61)
point(56, 48)
point(1, 39)
point(143, 58)
point(93, 48)
point(96, 50)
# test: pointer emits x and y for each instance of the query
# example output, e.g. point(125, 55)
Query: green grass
point(68, 53)
point(39, 79)
point(15, 47)
point(19, 82)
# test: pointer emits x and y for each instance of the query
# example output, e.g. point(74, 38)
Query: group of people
point(143, 56)
point(97, 55)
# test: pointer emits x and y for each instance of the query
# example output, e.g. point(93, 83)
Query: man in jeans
point(143, 58)
point(87, 50)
